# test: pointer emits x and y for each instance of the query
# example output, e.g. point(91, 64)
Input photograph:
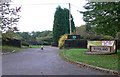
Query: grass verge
point(105, 61)
point(34, 46)
point(6, 49)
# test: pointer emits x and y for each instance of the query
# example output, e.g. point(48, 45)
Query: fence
point(118, 44)
point(71, 43)
point(12, 42)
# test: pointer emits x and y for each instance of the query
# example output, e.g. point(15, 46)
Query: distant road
point(41, 62)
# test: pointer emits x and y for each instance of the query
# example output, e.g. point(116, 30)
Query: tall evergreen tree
point(61, 23)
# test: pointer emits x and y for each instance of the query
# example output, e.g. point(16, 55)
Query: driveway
point(35, 61)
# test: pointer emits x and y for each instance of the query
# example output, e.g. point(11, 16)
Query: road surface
point(35, 61)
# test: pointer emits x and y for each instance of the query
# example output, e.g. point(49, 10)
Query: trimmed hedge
point(118, 44)
point(24, 43)
point(12, 42)
point(55, 44)
point(82, 43)
point(70, 43)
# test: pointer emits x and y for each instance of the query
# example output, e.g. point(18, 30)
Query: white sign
point(100, 49)
point(102, 46)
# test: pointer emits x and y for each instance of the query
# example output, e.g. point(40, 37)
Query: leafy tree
point(9, 17)
point(102, 17)
point(35, 37)
point(46, 37)
point(118, 35)
point(11, 35)
point(81, 30)
point(25, 36)
point(61, 23)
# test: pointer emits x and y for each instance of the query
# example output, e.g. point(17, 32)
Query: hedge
point(118, 44)
point(12, 42)
point(71, 43)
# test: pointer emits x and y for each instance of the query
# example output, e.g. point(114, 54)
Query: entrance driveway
point(35, 61)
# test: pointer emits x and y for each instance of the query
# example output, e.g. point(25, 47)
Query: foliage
point(45, 38)
point(81, 30)
point(118, 44)
point(61, 23)
point(35, 37)
point(11, 42)
point(102, 17)
point(90, 35)
point(95, 37)
point(62, 40)
point(107, 37)
point(42, 40)
point(9, 17)
point(40, 34)
point(25, 36)
point(10, 35)
point(24, 43)
point(99, 37)
point(118, 35)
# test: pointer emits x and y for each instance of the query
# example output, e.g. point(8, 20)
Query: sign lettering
point(99, 49)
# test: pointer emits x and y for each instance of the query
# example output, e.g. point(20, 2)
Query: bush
point(118, 35)
point(55, 44)
point(46, 43)
point(24, 43)
point(118, 44)
point(99, 37)
point(107, 37)
point(118, 40)
point(62, 40)
point(11, 42)
point(95, 37)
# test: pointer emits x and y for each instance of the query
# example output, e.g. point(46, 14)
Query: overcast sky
point(38, 15)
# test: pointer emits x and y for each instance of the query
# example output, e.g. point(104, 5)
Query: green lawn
point(104, 61)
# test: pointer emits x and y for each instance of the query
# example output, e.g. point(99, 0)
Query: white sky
point(38, 15)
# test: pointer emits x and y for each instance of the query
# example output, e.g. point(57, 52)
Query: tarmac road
point(35, 61)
